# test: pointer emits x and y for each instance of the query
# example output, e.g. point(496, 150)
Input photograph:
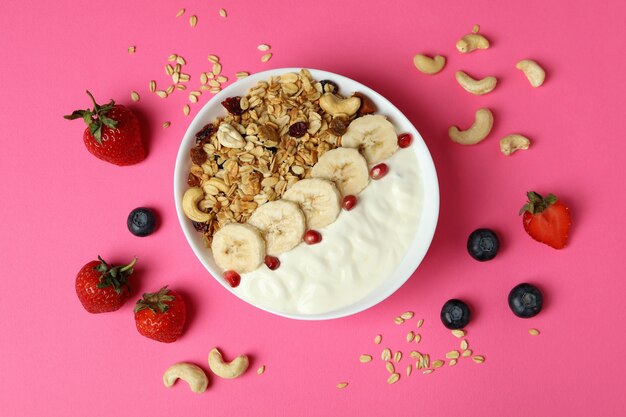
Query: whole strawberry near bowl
point(289, 136)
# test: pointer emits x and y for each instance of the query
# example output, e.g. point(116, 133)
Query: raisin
point(297, 130)
point(198, 156)
point(367, 106)
point(201, 227)
point(232, 105)
point(329, 86)
point(339, 125)
point(192, 180)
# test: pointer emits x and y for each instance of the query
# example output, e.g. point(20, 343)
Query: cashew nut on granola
point(478, 131)
point(535, 74)
point(191, 198)
point(471, 42)
point(334, 105)
point(188, 372)
point(511, 143)
point(228, 136)
point(429, 65)
point(228, 370)
point(477, 87)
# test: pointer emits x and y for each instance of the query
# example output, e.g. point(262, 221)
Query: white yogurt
point(357, 252)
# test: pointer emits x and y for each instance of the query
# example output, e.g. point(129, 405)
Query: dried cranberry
point(367, 106)
point(339, 125)
point(192, 180)
point(298, 129)
point(200, 227)
point(232, 105)
point(329, 86)
point(198, 156)
point(204, 133)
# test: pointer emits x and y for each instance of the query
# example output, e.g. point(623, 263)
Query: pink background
point(62, 207)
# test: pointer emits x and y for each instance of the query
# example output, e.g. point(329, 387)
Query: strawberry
point(102, 287)
point(546, 220)
point(161, 315)
point(112, 133)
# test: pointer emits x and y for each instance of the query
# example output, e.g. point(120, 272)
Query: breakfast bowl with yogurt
point(305, 193)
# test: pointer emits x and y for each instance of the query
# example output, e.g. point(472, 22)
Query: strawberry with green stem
point(547, 220)
point(161, 315)
point(101, 287)
point(112, 134)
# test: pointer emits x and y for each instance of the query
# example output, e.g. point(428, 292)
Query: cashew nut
point(229, 137)
point(471, 42)
point(334, 105)
point(478, 87)
point(192, 374)
point(535, 74)
point(429, 65)
point(227, 370)
point(478, 131)
point(191, 198)
point(512, 143)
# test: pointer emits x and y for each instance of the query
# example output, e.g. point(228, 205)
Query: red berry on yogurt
point(272, 262)
point(348, 202)
point(404, 140)
point(379, 171)
point(311, 237)
point(233, 278)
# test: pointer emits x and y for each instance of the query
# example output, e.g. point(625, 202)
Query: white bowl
point(430, 211)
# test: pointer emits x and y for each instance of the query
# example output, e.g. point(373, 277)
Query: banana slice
point(281, 223)
point(373, 135)
point(238, 247)
point(346, 167)
point(319, 200)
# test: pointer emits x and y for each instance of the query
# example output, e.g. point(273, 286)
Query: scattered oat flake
point(223, 13)
point(221, 78)
point(242, 74)
point(418, 338)
point(193, 99)
point(342, 385)
point(458, 333)
point(196, 93)
point(263, 47)
point(398, 320)
point(215, 90)
point(184, 77)
point(410, 336)
point(152, 86)
point(390, 368)
point(177, 68)
point(378, 339)
point(407, 315)
point(170, 89)
point(386, 354)
point(453, 354)
point(181, 86)
point(476, 28)
point(365, 358)
point(533, 332)
point(397, 357)
point(266, 57)
point(217, 68)
point(161, 93)
point(466, 353)
point(180, 13)
point(213, 58)
point(419, 323)
point(132, 49)
point(428, 371)
point(464, 344)
point(172, 57)
point(204, 87)
point(438, 363)
point(260, 370)
point(203, 78)
point(409, 369)
point(181, 60)
point(169, 70)
point(166, 125)
point(134, 95)
point(393, 378)
point(193, 21)
point(186, 109)
point(478, 358)
point(175, 77)
point(415, 355)
point(214, 83)
point(452, 362)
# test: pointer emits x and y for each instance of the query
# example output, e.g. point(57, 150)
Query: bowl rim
point(414, 255)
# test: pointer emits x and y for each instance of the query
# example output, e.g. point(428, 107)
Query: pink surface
point(62, 208)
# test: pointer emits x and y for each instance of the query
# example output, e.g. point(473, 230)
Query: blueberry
point(483, 244)
point(525, 300)
point(455, 314)
point(141, 221)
